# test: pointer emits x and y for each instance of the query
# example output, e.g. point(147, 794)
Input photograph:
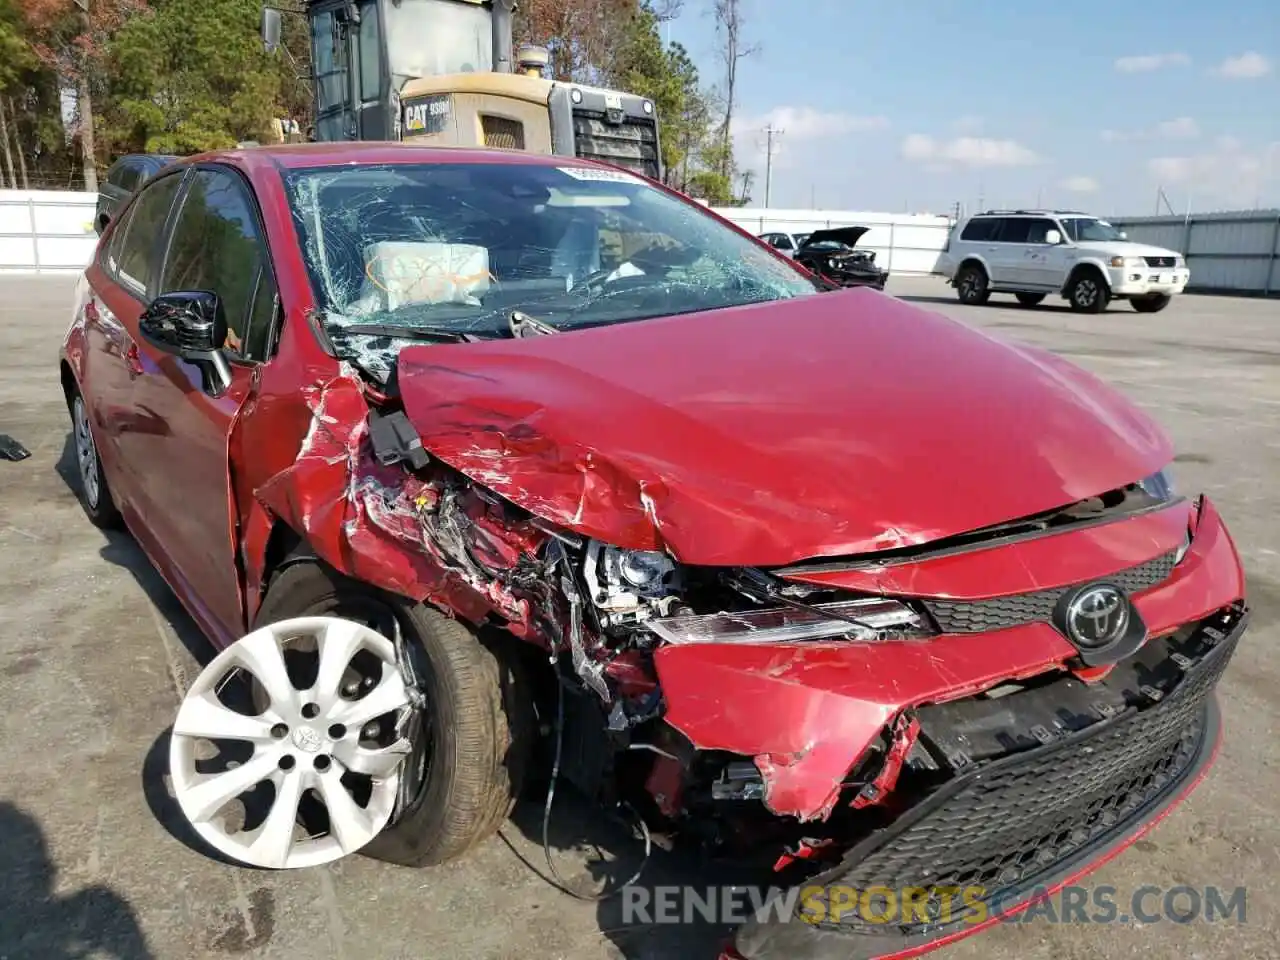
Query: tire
point(1088, 292)
point(1029, 299)
point(1152, 304)
point(480, 715)
point(94, 494)
point(972, 286)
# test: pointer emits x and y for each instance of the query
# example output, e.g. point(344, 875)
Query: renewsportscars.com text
point(838, 903)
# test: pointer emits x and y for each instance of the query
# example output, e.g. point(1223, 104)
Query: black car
point(831, 255)
point(124, 178)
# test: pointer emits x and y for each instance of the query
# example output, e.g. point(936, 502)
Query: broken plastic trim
point(877, 619)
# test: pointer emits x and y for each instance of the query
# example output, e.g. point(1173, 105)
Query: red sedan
point(819, 579)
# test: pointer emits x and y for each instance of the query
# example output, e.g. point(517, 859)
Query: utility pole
point(770, 133)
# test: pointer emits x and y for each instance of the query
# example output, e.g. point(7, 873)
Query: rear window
point(984, 229)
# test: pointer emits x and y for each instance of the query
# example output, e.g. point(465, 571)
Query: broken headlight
point(866, 619)
point(629, 583)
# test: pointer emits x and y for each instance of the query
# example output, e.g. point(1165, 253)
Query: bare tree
point(730, 24)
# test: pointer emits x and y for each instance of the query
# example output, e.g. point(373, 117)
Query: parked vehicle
point(787, 243)
point(125, 177)
point(481, 467)
point(831, 254)
point(1034, 253)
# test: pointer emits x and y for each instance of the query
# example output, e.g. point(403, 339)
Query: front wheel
point(1152, 304)
point(471, 728)
point(1088, 293)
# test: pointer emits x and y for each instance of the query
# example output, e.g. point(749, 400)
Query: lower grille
point(1160, 261)
point(1004, 827)
point(631, 143)
point(981, 616)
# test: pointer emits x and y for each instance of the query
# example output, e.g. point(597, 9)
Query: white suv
point(1032, 253)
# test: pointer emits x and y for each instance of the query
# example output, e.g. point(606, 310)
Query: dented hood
point(832, 424)
point(846, 235)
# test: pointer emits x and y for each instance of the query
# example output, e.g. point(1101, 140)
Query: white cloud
point(1231, 174)
point(1181, 128)
point(1147, 62)
point(967, 151)
point(1080, 184)
point(794, 125)
point(1247, 66)
point(967, 125)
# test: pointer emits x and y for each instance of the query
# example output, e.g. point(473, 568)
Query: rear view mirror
point(192, 326)
point(270, 29)
point(1053, 237)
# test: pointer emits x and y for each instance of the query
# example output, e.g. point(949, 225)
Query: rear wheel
point(972, 285)
point(469, 731)
point(1029, 299)
point(1152, 304)
point(1088, 292)
point(95, 495)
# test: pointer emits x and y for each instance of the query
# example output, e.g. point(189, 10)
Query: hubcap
point(86, 453)
point(1086, 293)
point(334, 744)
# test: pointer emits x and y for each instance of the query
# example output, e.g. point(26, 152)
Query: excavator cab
point(444, 72)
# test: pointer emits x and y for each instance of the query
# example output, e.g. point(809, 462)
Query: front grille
point(1005, 827)
point(1160, 261)
point(502, 132)
point(980, 616)
point(632, 143)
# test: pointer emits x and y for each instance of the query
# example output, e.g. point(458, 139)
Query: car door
point(1039, 256)
point(1006, 251)
point(215, 243)
point(120, 285)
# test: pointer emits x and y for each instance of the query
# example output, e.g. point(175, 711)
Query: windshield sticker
point(600, 176)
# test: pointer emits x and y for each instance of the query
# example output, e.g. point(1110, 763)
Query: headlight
point(877, 619)
point(1179, 262)
point(619, 580)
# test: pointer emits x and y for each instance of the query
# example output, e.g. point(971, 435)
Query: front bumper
point(1042, 818)
point(1148, 281)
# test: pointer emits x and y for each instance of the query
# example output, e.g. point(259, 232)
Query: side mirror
point(270, 29)
point(1053, 237)
point(192, 326)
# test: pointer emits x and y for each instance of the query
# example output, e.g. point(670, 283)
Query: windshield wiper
point(431, 334)
point(523, 325)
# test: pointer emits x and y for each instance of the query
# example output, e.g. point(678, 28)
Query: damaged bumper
point(1011, 831)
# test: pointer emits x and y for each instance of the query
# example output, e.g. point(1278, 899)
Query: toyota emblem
point(1097, 617)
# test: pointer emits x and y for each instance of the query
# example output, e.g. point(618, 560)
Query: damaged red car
point(480, 467)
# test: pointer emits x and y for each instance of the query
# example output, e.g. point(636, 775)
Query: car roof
point(287, 156)
point(1031, 213)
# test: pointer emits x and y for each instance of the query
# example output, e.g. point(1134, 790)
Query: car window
point(216, 246)
point(1038, 230)
point(980, 230)
point(146, 224)
point(1015, 230)
point(131, 176)
point(115, 173)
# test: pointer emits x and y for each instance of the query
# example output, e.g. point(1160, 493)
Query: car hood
point(827, 425)
point(848, 235)
point(1125, 248)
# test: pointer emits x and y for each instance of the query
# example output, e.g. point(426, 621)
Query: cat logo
point(428, 115)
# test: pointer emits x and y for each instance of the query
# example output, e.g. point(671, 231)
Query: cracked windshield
point(462, 251)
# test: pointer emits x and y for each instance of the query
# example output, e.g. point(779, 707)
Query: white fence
point(907, 244)
point(1226, 252)
point(46, 231)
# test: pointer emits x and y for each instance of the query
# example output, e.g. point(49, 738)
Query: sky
point(917, 105)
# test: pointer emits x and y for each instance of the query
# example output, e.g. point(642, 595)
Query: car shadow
point(36, 921)
point(667, 913)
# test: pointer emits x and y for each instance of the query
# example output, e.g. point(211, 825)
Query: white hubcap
point(336, 741)
point(86, 453)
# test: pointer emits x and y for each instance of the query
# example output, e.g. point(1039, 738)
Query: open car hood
point(828, 425)
point(845, 235)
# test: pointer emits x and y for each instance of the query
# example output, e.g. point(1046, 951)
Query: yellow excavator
point(444, 72)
